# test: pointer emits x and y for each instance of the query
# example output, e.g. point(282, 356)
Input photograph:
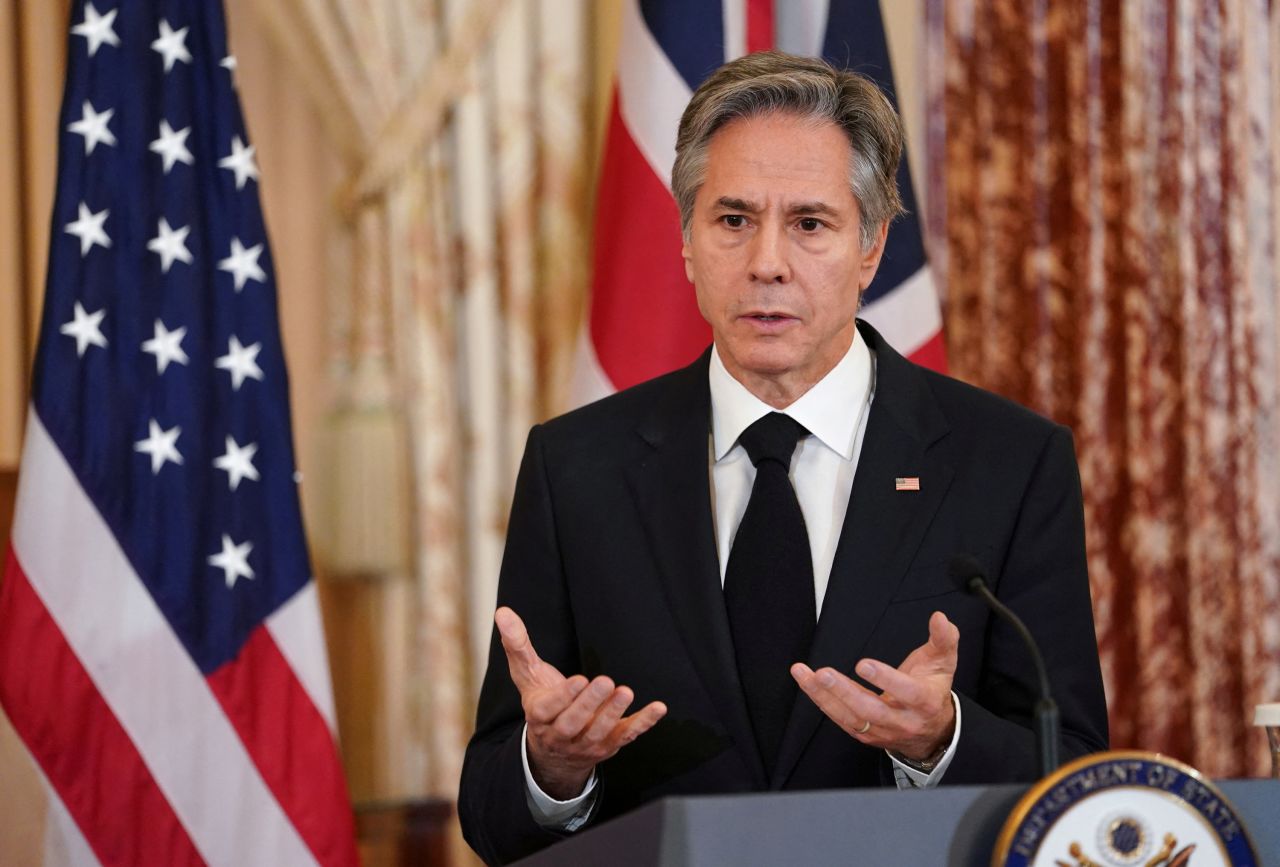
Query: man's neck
point(778, 392)
point(830, 409)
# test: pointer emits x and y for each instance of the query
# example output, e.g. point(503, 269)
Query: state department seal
point(1122, 809)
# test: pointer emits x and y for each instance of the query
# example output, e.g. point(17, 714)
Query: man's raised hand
point(574, 724)
point(913, 715)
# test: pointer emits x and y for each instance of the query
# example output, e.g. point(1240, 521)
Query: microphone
point(968, 572)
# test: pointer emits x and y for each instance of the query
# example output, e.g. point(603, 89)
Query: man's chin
point(765, 361)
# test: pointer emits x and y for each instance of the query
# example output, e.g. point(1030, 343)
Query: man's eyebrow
point(807, 208)
point(729, 203)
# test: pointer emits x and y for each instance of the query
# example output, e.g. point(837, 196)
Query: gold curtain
point(32, 49)
point(464, 132)
point(1110, 201)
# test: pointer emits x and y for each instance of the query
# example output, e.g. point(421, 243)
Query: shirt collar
point(831, 410)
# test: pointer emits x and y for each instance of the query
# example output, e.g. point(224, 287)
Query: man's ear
point(687, 255)
point(871, 256)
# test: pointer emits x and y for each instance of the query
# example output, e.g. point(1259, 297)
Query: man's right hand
point(573, 724)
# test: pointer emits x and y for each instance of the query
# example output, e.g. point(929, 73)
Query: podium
point(943, 827)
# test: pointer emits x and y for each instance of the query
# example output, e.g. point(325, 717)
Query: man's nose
point(769, 254)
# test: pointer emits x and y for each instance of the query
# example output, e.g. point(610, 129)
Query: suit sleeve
point(492, 806)
point(1045, 580)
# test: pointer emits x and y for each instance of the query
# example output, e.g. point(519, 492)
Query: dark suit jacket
point(611, 562)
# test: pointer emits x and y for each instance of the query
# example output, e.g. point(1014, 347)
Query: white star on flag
point(172, 146)
point(97, 28)
point(88, 227)
point(172, 44)
point(166, 346)
point(240, 361)
point(93, 126)
point(243, 263)
point(170, 244)
point(237, 462)
point(86, 329)
point(241, 162)
point(233, 560)
point(161, 445)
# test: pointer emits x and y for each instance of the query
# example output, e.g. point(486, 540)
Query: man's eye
point(734, 221)
point(810, 224)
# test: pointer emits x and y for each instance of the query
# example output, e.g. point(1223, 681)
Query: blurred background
point(1097, 185)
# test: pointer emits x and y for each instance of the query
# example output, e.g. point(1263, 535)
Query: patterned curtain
point(464, 128)
point(1108, 207)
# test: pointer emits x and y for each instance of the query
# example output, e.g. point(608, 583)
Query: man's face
point(774, 251)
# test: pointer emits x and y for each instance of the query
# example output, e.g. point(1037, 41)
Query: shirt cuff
point(555, 815)
point(909, 778)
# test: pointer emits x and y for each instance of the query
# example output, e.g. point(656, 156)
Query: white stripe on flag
point(128, 649)
point(734, 15)
point(651, 93)
point(801, 28)
point(64, 844)
point(909, 316)
point(296, 628)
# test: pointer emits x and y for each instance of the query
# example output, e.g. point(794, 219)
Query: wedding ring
point(866, 727)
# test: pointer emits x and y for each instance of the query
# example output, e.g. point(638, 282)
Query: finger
point(630, 728)
point(543, 706)
point(845, 688)
point(848, 704)
point(944, 636)
point(522, 659)
point(574, 719)
point(837, 711)
point(939, 652)
point(608, 716)
point(897, 686)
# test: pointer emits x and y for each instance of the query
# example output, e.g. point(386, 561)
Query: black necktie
point(768, 585)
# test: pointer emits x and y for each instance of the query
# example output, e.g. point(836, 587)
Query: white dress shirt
point(822, 467)
point(835, 412)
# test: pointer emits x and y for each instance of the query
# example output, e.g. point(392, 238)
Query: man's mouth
point(769, 322)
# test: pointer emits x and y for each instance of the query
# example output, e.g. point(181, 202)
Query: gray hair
point(770, 82)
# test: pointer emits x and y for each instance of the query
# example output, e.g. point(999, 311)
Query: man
point(754, 550)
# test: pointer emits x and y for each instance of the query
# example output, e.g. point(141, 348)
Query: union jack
point(668, 47)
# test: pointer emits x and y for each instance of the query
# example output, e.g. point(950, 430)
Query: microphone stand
point(1046, 711)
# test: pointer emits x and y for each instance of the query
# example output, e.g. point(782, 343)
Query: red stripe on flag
point(932, 354)
point(644, 316)
point(71, 732)
point(290, 744)
point(759, 25)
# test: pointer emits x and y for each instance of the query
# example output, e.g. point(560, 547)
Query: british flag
point(668, 47)
point(160, 646)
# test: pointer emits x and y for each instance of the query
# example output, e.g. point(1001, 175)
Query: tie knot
point(772, 438)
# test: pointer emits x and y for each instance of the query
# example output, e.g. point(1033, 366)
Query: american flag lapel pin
point(906, 483)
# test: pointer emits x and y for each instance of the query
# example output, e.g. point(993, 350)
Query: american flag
point(668, 47)
point(160, 646)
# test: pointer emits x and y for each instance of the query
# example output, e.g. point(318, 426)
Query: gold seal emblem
point(1121, 809)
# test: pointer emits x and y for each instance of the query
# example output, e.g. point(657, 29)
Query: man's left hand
point(913, 715)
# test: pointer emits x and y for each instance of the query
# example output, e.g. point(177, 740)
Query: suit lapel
point(673, 494)
point(883, 528)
